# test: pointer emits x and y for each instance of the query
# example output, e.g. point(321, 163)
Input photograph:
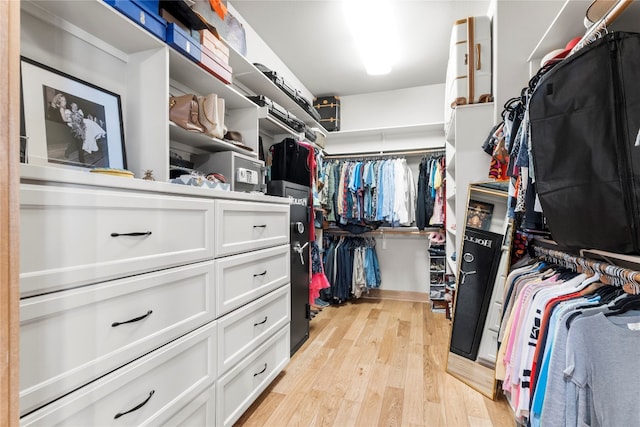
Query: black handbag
point(585, 141)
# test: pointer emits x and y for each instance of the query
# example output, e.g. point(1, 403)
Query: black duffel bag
point(585, 121)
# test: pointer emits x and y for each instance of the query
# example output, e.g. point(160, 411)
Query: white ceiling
point(312, 38)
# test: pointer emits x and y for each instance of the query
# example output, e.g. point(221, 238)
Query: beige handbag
point(183, 111)
point(211, 110)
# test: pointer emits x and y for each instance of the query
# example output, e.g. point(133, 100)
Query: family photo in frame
point(479, 215)
point(68, 121)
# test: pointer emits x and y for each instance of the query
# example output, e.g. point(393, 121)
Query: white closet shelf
point(273, 126)
point(183, 69)
point(202, 141)
point(248, 75)
point(391, 131)
point(450, 129)
point(451, 164)
point(94, 22)
point(567, 24)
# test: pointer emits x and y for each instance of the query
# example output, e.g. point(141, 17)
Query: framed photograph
point(479, 215)
point(68, 121)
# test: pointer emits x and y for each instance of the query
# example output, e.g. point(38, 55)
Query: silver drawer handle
point(261, 372)
point(139, 233)
point(260, 323)
point(119, 414)
point(135, 319)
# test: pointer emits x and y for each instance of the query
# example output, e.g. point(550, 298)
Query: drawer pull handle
point(261, 372)
point(260, 323)
point(260, 274)
point(119, 414)
point(141, 233)
point(136, 319)
point(260, 226)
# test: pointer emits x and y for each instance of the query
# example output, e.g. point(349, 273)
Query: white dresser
point(146, 303)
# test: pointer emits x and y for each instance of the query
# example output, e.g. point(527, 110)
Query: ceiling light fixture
point(373, 27)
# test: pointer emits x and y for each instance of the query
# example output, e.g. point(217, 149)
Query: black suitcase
point(287, 88)
point(278, 80)
point(585, 121)
point(307, 106)
point(310, 135)
point(275, 109)
point(294, 123)
point(329, 109)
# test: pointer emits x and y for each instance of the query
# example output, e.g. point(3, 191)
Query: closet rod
point(602, 24)
point(382, 231)
point(387, 153)
point(618, 275)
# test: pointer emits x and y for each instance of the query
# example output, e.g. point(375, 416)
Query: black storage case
point(300, 217)
point(585, 133)
point(478, 267)
point(329, 109)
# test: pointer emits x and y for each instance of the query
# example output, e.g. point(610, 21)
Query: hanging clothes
point(351, 267)
point(565, 346)
point(361, 195)
point(431, 192)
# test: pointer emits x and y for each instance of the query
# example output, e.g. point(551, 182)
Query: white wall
point(387, 111)
point(403, 107)
point(258, 51)
point(403, 262)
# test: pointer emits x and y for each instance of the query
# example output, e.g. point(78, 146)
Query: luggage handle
point(478, 56)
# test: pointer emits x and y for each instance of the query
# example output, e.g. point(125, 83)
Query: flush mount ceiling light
point(372, 24)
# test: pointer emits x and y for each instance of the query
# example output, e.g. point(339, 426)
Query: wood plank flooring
point(374, 363)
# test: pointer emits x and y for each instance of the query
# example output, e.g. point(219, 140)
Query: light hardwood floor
point(374, 363)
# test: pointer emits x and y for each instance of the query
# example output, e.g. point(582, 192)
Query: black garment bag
point(585, 140)
point(289, 162)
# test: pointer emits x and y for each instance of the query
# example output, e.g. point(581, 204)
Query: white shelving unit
point(466, 163)
point(437, 279)
point(60, 34)
point(392, 131)
point(569, 23)
point(251, 81)
point(384, 139)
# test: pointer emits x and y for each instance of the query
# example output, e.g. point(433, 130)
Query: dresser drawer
point(240, 332)
point(75, 329)
point(200, 412)
point(72, 237)
point(167, 379)
point(244, 226)
point(244, 278)
point(236, 390)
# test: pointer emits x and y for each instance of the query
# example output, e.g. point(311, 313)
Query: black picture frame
point(69, 122)
point(479, 214)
